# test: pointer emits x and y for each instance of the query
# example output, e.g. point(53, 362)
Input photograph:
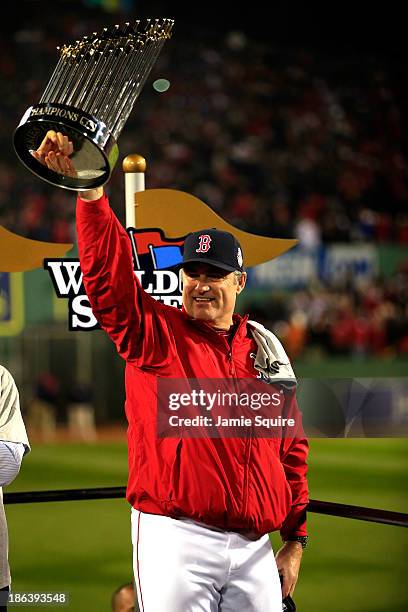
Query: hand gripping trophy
point(89, 98)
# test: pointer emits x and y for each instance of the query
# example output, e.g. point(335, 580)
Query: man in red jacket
point(202, 507)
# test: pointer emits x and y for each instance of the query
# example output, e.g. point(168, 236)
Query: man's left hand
point(288, 560)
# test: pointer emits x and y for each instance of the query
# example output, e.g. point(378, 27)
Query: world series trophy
point(89, 98)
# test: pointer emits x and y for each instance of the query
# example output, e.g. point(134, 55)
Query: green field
point(84, 548)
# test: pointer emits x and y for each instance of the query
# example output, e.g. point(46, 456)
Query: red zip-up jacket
point(244, 484)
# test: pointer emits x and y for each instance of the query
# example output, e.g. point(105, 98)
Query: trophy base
point(95, 149)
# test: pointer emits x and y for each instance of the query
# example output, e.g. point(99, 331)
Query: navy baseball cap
point(214, 247)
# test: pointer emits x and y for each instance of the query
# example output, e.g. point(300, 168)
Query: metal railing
point(374, 515)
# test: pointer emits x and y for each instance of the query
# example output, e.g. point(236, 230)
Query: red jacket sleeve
point(293, 453)
point(135, 321)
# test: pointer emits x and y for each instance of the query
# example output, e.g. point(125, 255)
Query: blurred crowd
point(357, 320)
point(48, 405)
point(283, 141)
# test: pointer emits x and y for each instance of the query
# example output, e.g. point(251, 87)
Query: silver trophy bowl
point(89, 98)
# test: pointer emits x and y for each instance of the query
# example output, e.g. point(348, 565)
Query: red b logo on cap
point(204, 245)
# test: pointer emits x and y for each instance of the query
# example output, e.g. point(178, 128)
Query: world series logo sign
point(156, 257)
point(156, 261)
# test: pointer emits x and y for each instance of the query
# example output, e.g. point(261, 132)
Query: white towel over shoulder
point(271, 359)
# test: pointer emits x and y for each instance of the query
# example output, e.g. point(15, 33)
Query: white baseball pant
point(184, 566)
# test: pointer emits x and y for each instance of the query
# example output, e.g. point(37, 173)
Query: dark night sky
point(340, 25)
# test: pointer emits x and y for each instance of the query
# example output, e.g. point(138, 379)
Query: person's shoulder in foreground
point(13, 445)
point(12, 428)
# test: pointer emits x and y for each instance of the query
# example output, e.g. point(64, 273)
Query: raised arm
point(135, 322)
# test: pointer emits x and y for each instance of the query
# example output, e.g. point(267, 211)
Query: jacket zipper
point(248, 441)
point(248, 444)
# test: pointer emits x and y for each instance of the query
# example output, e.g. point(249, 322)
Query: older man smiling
point(202, 508)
